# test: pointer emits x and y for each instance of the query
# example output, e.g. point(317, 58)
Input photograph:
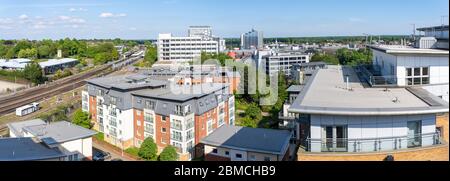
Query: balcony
point(345, 145)
point(372, 75)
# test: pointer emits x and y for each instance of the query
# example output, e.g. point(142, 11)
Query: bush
point(148, 150)
point(100, 136)
point(133, 151)
point(168, 154)
point(81, 118)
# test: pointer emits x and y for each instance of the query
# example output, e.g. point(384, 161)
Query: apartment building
point(425, 65)
point(277, 62)
point(186, 49)
point(129, 109)
point(235, 143)
point(194, 75)
point(343, 119)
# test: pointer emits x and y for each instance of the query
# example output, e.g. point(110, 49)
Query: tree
point(27, 53)
point(81, 118)
point(148, 150)
point(253, 111)
point(33, 72)
point(44, 51)
point(248, 122)
point(169, 153)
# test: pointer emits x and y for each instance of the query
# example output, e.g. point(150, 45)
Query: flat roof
point(389, 49)
point(180, 92)
point(53, 62)
point(326, 93)
point(17, 128)
point(125, 82)
point(249, 139)
point(25, 149)
point(59, 132)
point(295, 88)
point(435, 28)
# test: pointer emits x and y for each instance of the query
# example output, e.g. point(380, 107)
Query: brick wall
point(210, 157)
point(436, 153)
point(159, 135)
point(93, 111)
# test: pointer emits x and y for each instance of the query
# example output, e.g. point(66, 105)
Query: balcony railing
point(373, 144)
point(372, 75)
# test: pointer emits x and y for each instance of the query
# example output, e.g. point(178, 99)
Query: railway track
point(10, 103)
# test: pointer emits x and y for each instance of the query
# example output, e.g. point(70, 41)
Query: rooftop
point(180, 92)
point(326, 93)
point(53, 62)
point(59, 132)
point(395, 49)
point(295, 88)
point(17, 128)
point(25, 149)
point(135, 81)
point(434, 28)
point(249, 139)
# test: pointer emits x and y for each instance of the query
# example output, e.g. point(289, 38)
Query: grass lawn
point(240, 105)
point(100, 136)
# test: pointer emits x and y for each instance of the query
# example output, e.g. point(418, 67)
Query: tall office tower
point(252, 40)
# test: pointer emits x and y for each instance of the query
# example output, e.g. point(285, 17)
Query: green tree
point(148, 150)
point(169, 153)
point(81, 118)
point(253, 111)
point(33, 72)
point(247, 121)
point(27, 53)
point(44, 51)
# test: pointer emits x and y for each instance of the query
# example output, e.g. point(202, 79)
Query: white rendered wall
point(369, 127)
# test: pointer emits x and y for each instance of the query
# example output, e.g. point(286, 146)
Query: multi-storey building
point(252, 40)
point(185, 49)
point(129, 109)
point(341, 118)
point(283, 61)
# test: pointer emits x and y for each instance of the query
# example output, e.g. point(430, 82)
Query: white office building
point(252, 40)
point(277, 62)
point(185, 49)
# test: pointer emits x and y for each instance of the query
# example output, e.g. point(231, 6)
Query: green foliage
point(28, 53)
point(151, 56)
point(327, 58)
point(148, 150)
point(61, 74)
point(133, 151)
point(100, 136)
point(81, 118)
point(33, 72)
point(354, 57)
point(248, 122)
point(169, 153)
point(253, 111)
point(221, 57)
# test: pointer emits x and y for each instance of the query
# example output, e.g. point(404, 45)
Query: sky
point(145, 19)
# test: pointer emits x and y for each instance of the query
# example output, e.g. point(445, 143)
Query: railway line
point(9, 103)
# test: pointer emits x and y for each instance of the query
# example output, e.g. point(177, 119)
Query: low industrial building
point(53, 65)
point(235, 143)
point(14, 64)
point(73, 141)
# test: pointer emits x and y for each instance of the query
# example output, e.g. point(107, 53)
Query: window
point(227, 153)
point(189, 135)
point(209, 129)
point(252, 158)
point(215, 151)
point(176, 136)
point(417, 76)
point(148, 117)
point(148, 128)
point(150, 105)
point(163, 118)
point(176, 124)
point(163, 130)
point(238, 155)
point(138, 123)
point(189, 124)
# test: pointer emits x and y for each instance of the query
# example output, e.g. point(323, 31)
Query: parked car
point(101, 156)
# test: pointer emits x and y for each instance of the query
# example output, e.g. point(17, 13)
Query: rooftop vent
point(395, 100)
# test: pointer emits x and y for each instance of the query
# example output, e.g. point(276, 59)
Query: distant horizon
point(140, 19)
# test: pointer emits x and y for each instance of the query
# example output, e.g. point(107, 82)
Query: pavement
point(115, 154)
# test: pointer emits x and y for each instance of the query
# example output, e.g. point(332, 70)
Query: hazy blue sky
point(144, 19)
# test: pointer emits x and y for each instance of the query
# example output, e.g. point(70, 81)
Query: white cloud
point(132, 28)
point(23, 17)
point(77, 9)
point(74, 20)
point(64, 18)
point(111, 15)
point(6, 21)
